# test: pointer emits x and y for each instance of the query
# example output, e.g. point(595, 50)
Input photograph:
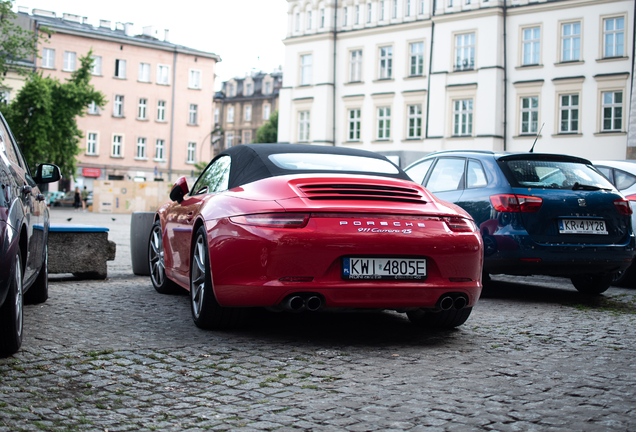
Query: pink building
point(158, 119)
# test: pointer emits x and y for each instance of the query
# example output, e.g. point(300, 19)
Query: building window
point(48, 58)
point(230, 114)
point(612, 111)
point(614, 34)
point(192, 114)
point(141, 113)
point(192, 150)
point(414, 122)
point(266, 112)
point(531, 45)
point(249, 89)
point(571, 42)
point(141, 148)
point(163, 74)
point(216, 116)
point(120, 68)
point(308, 20)
point(229, 139)
point(247, 137)
point(230, 90)
point(305, 69)
point(355, 74)
point(408, 8)
point(322, 18)
point(161, 111)
point(97, 65)
point(395, 8)
point(117, 143)
point(384, 123)
point(297, 21)
point(354, 125)
point(357, 14)
point(118, 106)
point(369, 12)
point(463, 117)
point(144, 72)
point(303, 126)
point(465, 51)
point(268, 87)
point(194, 79)
point(93, 109)
point(417, 59)
point(421, 7)
point(69, 61)
point(91, 144)
point(382, 10)
point(248, 113)
point(569, 113)
point(529, 115)
point(386, 62)
point(346, 16)
point(159, 149)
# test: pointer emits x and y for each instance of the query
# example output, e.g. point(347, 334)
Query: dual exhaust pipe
point(299, 303)
point(447, 302)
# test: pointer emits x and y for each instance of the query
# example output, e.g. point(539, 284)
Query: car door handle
point(26, 189)
point(189, 216)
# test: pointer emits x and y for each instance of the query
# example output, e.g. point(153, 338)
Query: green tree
point(43, 116)
point(268, 133)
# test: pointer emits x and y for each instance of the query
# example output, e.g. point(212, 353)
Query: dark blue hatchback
point(538, 213)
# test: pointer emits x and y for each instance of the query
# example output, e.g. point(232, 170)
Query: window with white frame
point(395, 5)
point(93, 109)
point(230, 90)
point(267, 111)
point(192, 114)
point(230, 114)
point(297, 21)
point(118, 106)
point(384, 123)
point(5, 96)
point(355, 72)
point(249, 89)
point(369, 12)
point(91, 143)
point(357, 14)
point(192, 151)
point(354, 125)
point(303, 126)
point(613, 37)
point(408, 8)
point(141, 148)
point(247, 137)
point(48, 58)
point(308, 20)
point(345, 21)
point(268, 87)
point(143, 105)
point(161, 110)
point(305, 69)
point(421, 12)
point(163, 74)
point(382, 2)
point(465, 51)
point(386, 62)
point(416, 62)
point(216, 116)
point(571, 42)
point(160, 146)
point(117, 144)
point(531, 45)
point(194, 79)
point(248, 113)
point(569, 113)
point(144, 72)
point(120, 68)
point(229, 139)
point(322, 18)
point(529, 115)
point(69, 61)
point(96, 68)
point(612, 111)
point(414, 119)
point(463, 117)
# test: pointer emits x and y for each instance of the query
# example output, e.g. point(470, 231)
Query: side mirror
point(179, 190)
point(47, 173)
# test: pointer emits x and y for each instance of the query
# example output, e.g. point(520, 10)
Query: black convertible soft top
point(250, 162)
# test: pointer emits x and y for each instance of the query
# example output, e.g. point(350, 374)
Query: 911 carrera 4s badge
point(384, 268)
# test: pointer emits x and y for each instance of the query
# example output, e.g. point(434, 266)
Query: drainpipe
point(430, 68)
point(335, 35)
point(174, 78)
point(505, 80)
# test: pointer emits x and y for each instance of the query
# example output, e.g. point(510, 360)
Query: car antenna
point(535, 140)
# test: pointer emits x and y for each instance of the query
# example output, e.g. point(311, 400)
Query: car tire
point(156, 263)
point(592, 283)
point(625, 278)
point(12, 312)
point(39, 291)
point(451, 318)
point(207, 313)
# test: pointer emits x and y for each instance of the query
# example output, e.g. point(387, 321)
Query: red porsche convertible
point(302, 227)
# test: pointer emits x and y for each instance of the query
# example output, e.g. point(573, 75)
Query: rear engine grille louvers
point(362, 192)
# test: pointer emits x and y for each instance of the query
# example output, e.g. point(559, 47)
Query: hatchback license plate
point(582, 226)
point(383, 268)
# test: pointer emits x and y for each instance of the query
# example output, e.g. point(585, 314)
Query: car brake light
point(631, 197)
point(458, 224)
point(516, 203)
point(273, 220)
point(623, 207)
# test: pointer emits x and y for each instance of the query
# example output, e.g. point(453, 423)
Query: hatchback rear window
point(555, 174)
point(332, 162)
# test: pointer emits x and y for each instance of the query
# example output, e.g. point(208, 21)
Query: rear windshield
point(555, 175)
point(332, 162)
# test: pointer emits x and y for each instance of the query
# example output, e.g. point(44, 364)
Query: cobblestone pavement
point(115, 355)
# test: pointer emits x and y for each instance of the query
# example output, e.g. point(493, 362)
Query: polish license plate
point(582, 226)
point(384, 268)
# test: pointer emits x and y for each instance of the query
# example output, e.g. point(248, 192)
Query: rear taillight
point(631, 197)
point(273, 220)
point(516, 203)
point(623, 207)
point(458, 224)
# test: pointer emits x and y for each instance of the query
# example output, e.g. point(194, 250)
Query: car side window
point(607, 172)
point(475, 175)
point(419, 171)
point(447, 175)
point(215, 178)
point(7, 147)
point(623, 180)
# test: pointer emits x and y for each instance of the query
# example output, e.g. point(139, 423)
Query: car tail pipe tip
point(313, 303)
point(460, 302)
point(445, 303)
point(448, 302)
point(294, 303)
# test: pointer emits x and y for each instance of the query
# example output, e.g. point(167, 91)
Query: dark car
point(24, 227)
point(540, 214)
point(67, 200)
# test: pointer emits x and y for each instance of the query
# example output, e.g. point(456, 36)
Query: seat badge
point(582, 202)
